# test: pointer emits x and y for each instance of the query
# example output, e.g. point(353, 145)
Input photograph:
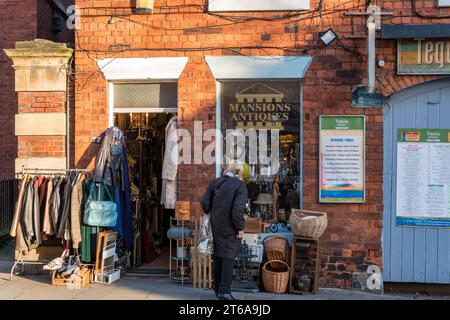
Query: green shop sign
point(341, 123)
point(423, 56)
point(423, 135)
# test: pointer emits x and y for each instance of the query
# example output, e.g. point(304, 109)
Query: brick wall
point(45, 11)
point(353, 238)
point(17, 22)
point(38, 146)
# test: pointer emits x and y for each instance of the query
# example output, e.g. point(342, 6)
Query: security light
point(328, 36)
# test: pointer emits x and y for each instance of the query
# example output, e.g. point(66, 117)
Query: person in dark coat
point(225, 200)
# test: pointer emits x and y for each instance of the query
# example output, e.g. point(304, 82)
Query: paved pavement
point(38, 287)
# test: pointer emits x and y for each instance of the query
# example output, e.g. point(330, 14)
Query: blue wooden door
point(413, 254)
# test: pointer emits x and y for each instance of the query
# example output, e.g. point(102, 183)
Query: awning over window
point(415, 31)
point(142, 68)
point(258, 67)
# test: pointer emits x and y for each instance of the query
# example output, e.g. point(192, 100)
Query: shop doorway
point(142, 110)
point(413, 252)
point(146, 139)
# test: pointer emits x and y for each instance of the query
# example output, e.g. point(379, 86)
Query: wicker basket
point(276, 248)
point(275, 276)
point(312, 227)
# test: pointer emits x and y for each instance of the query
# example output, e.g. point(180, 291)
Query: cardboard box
point(252, 225)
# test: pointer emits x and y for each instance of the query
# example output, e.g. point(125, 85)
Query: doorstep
point(147, 272)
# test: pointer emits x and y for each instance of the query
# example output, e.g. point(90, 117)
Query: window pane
point(262, 108)
point(147, 95)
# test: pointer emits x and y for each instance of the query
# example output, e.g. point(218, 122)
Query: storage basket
point(276, 248)
point(275, 276)
point(86, 278)
point(311, 224)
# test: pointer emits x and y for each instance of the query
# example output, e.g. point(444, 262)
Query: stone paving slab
point(129, 287)
point(139, 288)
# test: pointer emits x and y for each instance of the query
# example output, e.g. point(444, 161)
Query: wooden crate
point(86, 278)
point(305, 253)
point(201, 265)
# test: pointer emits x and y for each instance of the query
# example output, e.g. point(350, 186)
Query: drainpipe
point(69, 68)
point(371, 57)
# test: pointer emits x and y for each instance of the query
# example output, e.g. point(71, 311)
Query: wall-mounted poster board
point(342, 159)
point(423, 178)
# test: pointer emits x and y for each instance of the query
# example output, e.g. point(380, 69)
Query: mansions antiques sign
point(423, 56)
point(423, 178)
point(261, 105)
point(341, 159)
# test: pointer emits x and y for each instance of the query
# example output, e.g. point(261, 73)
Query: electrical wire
point(211, 26)
point(115, 51)
point(417, 13)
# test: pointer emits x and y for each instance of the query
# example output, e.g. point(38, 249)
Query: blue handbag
point(100, 213)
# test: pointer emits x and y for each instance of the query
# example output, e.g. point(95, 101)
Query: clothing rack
point(19, 260)
point(46, 170)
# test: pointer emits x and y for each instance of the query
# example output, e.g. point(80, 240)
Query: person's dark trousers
point(223, 275)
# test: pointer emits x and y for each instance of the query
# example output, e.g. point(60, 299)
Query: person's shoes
point(225, 296)
point(55, 264)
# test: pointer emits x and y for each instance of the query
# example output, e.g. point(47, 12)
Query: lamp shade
point(145, 6)
point(264, 199)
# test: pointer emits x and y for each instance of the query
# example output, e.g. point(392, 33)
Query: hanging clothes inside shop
point(170, 166)
point(111, 169)
point(148, 139)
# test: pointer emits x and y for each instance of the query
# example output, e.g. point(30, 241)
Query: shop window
point(145, 95)
point(270, 110)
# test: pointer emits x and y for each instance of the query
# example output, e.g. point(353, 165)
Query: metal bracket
point(374, 13)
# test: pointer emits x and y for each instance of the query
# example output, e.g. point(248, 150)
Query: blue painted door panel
point(413, 254)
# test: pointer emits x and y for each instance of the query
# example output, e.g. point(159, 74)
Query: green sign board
point(423, 56)
point(341, 159)
point(423, 135)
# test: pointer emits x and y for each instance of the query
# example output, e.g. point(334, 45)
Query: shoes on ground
point(226, 296)
point(55, 264)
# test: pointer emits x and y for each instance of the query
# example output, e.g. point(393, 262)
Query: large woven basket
point(311, 224)
point(275, 276)
point(276, 248)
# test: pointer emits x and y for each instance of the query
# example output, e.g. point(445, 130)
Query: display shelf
point(180, 265)
point(179, 258)
point(181, 219)
point(305, 253)
point(180, 278)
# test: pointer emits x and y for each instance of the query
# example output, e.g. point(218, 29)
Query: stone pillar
point(41, 73)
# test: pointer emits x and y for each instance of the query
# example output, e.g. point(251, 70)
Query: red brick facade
point(353, 238)
point(22, 27)
point(37, 146)
point(21, 20)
